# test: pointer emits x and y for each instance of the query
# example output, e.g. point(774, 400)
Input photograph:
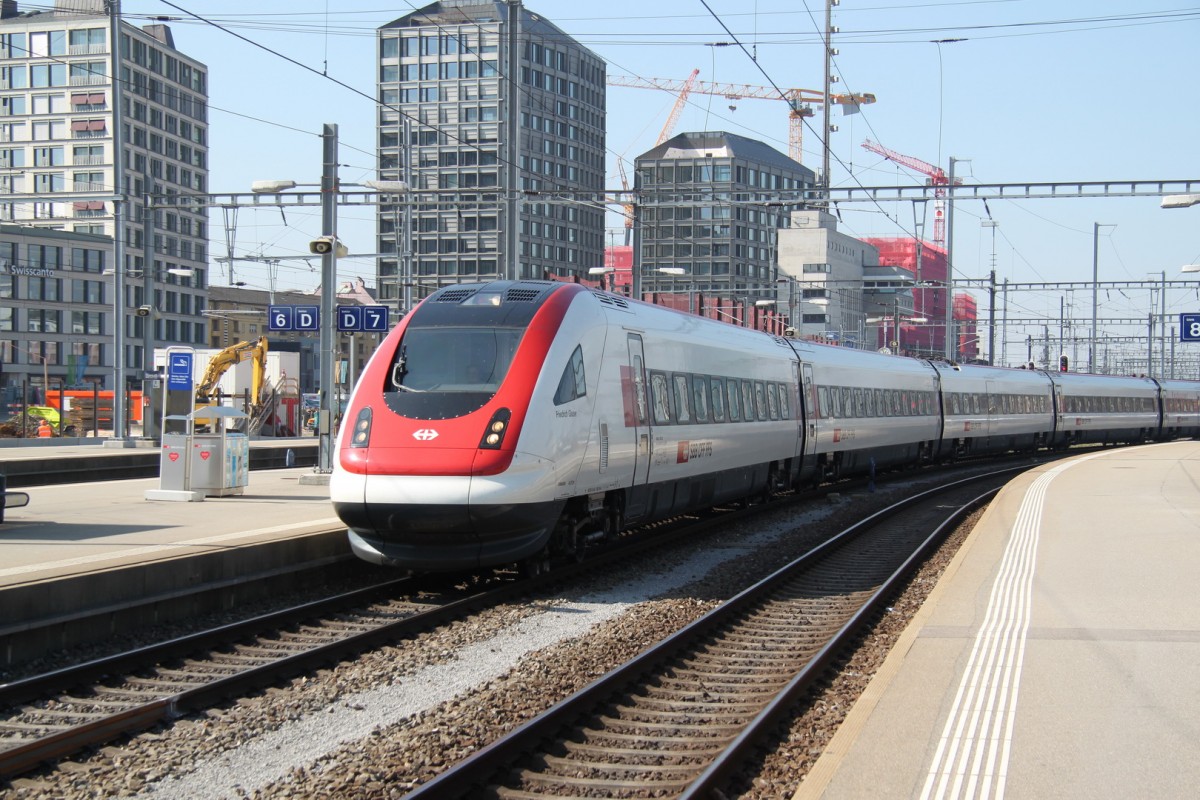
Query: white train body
point(509, 421)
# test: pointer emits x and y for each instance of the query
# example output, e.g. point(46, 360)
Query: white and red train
point(512, 422)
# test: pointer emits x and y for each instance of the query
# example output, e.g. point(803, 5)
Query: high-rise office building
point(60, 126)
point(712, 204)
point(491, 114)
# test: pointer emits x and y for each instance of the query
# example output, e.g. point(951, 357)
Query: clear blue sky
point(1037, 90)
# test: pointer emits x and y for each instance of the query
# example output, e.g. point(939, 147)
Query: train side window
point(572, 385)
point(718, 399)
point(735, 405)
point(895, 398)
point(748, 410)
point(660, 401)
point(785, 411)
point(848, 401)
point(700, 397)
point(860, 407)
point(869, 402)
point(773, 400)
point(880, 404)
point(823, 407)
point(682, 390)
point(835, 402)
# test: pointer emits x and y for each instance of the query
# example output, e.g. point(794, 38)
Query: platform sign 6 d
point(369, 319)
point(1189, 327)
point(293, 318)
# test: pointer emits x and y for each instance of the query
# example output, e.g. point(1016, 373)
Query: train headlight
point(493, 436)
point(360, 436)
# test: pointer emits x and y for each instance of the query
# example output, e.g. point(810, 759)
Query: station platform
point(1058, 655)
point(33, 462)
point(100, 548)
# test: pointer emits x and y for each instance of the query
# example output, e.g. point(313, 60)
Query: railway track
point(679, 719)
point(47, 717)
point(44, 718)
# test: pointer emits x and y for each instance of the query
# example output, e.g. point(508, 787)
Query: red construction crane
point(936, 177)
point(800, 101)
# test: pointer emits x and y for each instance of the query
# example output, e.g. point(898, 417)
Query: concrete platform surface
point(1058, 657)
point(72, 529)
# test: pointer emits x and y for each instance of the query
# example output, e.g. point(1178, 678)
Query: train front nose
point(440, 523)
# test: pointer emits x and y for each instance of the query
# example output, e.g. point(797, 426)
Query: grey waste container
point(220, 461)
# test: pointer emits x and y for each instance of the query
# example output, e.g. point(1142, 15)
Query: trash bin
point(193, 465)
point(219, 463)
point(172, 462)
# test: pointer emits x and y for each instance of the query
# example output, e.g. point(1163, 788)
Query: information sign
point(371, 319)
point(1189, 327)
point(293, 318)
point(179, 370)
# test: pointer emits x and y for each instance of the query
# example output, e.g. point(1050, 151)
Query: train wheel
point(536, 565)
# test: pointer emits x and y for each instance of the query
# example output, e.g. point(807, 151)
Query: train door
point(808, 396)
point(637, 418)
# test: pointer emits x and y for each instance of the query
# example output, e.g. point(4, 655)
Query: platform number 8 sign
point(1189, 327)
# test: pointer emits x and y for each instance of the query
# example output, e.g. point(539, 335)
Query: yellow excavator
point(220, 363)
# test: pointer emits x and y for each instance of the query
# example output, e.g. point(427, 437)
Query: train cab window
point(682, 391)
point(660, 398)
point(773, 400)
point(735, 406)
point(572, 385)
point(785, 411)
point(718, 399)
point(447, 372)
point(700, 398)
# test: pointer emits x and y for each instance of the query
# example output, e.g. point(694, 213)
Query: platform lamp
point(599, 274)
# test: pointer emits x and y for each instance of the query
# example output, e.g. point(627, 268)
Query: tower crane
point(800, 101)
point(935, 176)
point(663, 135)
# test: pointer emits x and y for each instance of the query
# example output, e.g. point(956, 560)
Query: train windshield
point(443, 372)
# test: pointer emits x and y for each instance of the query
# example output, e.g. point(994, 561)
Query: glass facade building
point(488, 112)
point(711, 206)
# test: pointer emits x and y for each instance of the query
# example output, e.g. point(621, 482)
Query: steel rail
point(465, 777)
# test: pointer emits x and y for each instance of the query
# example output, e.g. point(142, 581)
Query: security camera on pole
point(329, 248)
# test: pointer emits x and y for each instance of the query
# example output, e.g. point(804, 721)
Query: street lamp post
point(1096, 226)
point(329, 192)
point(600, 274)
point(951, 348)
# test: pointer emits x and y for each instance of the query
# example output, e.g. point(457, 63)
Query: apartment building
point(60, 128)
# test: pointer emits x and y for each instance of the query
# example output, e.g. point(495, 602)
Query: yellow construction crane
point(800, 101)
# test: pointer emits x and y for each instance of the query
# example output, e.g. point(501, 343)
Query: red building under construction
point(928, 268)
